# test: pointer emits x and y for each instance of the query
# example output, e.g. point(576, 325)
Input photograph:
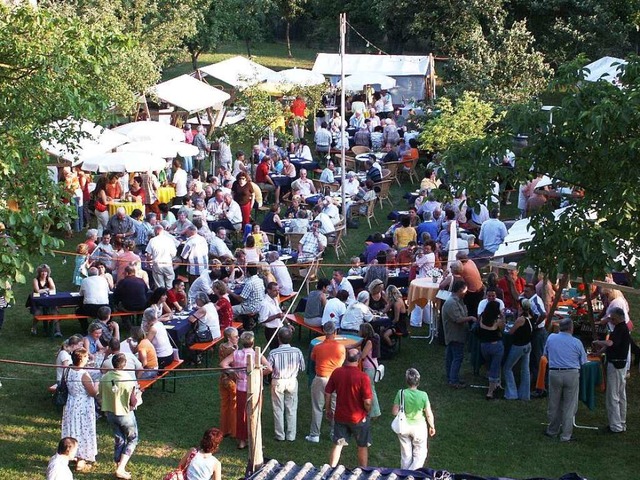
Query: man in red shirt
point(475, 287)
point(353, 402)
point(176, 298)
point(264, 180)
point(512, 285)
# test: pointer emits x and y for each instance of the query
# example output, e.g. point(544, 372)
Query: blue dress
point(77, 276)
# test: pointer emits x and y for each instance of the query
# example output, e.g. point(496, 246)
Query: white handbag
point(399, 424)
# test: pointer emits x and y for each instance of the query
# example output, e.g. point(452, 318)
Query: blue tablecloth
point(306, 164)
point(344, 339)
point(180, 328)
point(60, 299)
point(281, 180)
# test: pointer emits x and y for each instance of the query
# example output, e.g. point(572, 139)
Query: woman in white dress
point(203, 465)
point(79, 414)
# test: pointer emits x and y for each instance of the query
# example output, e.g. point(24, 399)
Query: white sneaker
point(312, 439)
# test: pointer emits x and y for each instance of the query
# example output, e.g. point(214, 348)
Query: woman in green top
point(417, 409)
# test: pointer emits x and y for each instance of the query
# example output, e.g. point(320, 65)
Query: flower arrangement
point(435, 273)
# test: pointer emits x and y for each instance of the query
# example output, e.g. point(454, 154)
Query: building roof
point(391, 65)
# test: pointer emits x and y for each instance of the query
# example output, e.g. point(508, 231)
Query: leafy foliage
point(592, 146)
point(54, 66)
point(465, 121)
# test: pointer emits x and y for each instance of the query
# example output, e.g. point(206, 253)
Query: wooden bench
point(299, 320)
point(145, 384)
point(52, 317)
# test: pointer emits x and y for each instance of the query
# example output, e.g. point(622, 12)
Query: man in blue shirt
point(429, 225)
point(566, 356)
point(492, 232)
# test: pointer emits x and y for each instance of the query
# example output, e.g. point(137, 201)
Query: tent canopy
point(96, 140)
point(239, 72)
point(190, 94)
point(409, 71)
point(606, 69)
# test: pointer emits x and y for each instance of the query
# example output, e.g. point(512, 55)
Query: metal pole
point(343, 33)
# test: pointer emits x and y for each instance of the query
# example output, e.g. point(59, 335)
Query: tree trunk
point(592, 322)
point(564, 280)
point(247, 42)
point(288, 40)
point(194, 59)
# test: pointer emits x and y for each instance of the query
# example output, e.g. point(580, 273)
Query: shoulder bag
point(379, 373)
point(399, 424)
point(195, 335)
point(61, 394)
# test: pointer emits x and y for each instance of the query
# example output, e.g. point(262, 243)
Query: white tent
point(94, 140)
point(409, 71)
point(607, 68)
point(190, 94)
point(148, 130)
point(124, 162)
point(239, 72)
point(296, 76)
point(357, 81)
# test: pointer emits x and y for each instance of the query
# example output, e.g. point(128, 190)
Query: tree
point(215, 24)
point(159, 25)
point(592, 146)
point(467, 120)
point(289, 11)
point(54, 66)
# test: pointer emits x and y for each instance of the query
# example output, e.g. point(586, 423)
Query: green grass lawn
point(272, 55)
point(496, 438)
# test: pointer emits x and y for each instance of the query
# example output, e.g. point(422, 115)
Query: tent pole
point(343, 31)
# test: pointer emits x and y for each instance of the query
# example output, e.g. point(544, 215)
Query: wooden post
point(564, 280)
point(254, 410)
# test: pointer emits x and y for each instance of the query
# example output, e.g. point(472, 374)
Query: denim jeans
point(513, 392)
point(188, 164)
point(492, 353)
point(125, 431)
point(453, 361)
point(538, 339)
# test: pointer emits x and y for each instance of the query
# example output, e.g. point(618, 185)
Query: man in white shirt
point(95, 292)
point(490, 297)
point(352, 184)
point(312, 244)
point(281, 272)
point(340, 282)
point(179, 182)
point(195, 252)
point(326, 225)
point(327, 175)
point(232, 216)
point(161, 249)
point(286, 362)
point(218, 247)
point(492, 232)
point(331, 210)
point(304, 185)
point(216, 206)
point(335, 308)
point(104, 252)
point(271, 315)
point(323, 139)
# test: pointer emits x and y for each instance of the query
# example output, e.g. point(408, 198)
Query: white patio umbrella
point(357, 81)
point(148, 130)
point(296, 76)
point(124, 162)
point(161, 148)
point(453, 242)
point(96, 140)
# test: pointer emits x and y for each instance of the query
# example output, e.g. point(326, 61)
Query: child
point(260, 237)
point(356, 267)
point(82, 264)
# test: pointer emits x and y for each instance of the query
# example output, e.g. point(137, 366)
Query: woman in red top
point(223, 305)
point(113, 188)
point(136, 190)
point(297, 109)
point(243, 194)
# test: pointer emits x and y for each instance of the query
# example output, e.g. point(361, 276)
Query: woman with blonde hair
point(370, 352)
point(238, 362)
point(81, 264)
point(79, 414)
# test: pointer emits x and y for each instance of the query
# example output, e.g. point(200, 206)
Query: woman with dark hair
point(99, 197)
point(490, 336)
point(79, 415)
point(200, 464)
point(43, 284)
point(315, 304)
point(370, 353)
point(243, 195)
point(253, 255)
point(521, 332)
point(158, 301)
point(273, 224)
point(492, 284)
point(136, 191)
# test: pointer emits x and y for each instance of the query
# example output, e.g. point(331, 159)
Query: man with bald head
point(566, 356)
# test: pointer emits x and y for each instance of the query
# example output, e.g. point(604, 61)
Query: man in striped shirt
point(286, 362)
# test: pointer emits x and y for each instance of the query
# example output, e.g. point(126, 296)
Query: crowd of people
point(181, 260)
